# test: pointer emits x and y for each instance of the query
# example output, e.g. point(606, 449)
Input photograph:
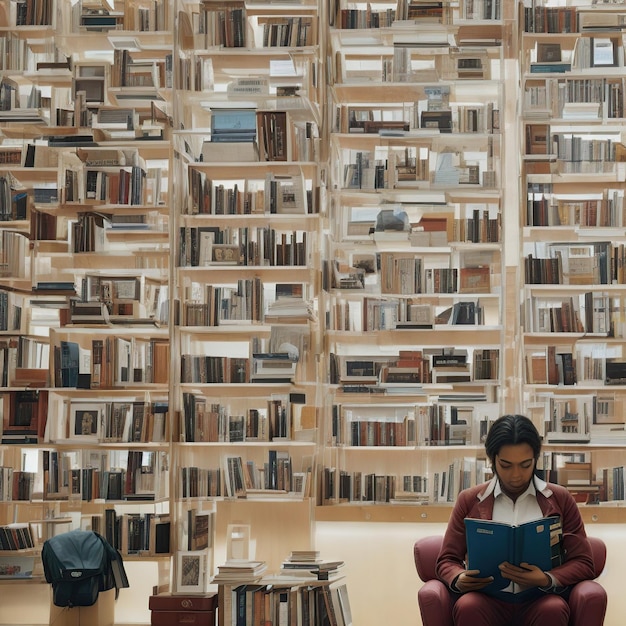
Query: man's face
point(514, 465)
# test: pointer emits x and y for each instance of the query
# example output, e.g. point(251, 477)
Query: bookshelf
point(85, 273)
point(247, 238)
point(414, 265)
point(571, 205)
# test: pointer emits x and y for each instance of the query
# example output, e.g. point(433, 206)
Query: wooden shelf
point(437, 513)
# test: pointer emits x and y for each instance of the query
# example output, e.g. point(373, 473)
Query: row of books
point(16, 484)
point(591, 312)
point(126, 186)
point(592, 363)
point(573, 98)
point(127, 71)
point(139, 476)
point(261, 246)
point(243, 302)
point(239, 478)
point(214, 422)
point(409, 120)
point(135, 16)
point(544, 207)
point(110, 362)
point(547, 19)
point(409, 276)
point(249, 299)
point(391, 313)
point(289, 32)
point(25, 420)
point(252, 600)
point(398, 62)
point(13, 249)
point(113, 422)
point(425, 425)
point(279, 194)
point(17, 536)
point(440, 485)
point(364, 18)
point(137, 533)
point(415, 367)
point(214, 369)
point(434, 231)
point(24, 360)
point(218, 306)
point(346, 486)
point(34, 13)
point(571, 263)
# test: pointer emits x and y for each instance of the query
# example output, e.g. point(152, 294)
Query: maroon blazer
point(553, 500)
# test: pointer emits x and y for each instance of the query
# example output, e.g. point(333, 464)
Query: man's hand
point(527, 575)
point(468, 581)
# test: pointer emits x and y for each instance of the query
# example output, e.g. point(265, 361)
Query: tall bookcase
point(85, 278)
point(413, 291)
point(249, 198)
point(572, 60)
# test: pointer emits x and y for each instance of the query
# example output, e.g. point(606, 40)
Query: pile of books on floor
point(240, 570)
point(309, 564)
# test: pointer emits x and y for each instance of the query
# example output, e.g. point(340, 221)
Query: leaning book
point(490, 543)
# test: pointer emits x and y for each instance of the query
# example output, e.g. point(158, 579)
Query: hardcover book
point(490, 543)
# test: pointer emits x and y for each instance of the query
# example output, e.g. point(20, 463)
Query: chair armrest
point(587, 602)
point(435, 602)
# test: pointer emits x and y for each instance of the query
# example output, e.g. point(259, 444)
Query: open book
point(491, 543)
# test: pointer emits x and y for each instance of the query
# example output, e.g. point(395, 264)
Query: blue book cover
point(550, 68)
point(69, 363)
point(491, 543)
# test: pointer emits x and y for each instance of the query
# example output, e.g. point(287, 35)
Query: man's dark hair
point(510, 430)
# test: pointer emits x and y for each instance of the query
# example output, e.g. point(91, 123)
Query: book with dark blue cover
point(69, 364)
point(490, 543)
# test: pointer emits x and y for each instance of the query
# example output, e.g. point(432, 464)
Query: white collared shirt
point(524, 509)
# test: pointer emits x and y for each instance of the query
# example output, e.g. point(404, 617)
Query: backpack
point(80, 564)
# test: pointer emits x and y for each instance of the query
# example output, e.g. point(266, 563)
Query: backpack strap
point(115, 565)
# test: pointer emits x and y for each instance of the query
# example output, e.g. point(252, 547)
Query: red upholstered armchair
point(587, 599)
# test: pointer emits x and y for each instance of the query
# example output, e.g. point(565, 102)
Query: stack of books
point(308, 564)
point(240, 570)
point(273, 367)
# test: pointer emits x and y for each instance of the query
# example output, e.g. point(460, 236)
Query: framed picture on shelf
point(225, 254)
point(191, 571)
point(86, 421)
point(298, 485)
point(548, 52)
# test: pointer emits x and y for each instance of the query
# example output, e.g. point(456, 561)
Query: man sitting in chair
point(515, 495)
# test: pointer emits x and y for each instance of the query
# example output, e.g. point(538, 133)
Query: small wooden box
point(173, 610)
